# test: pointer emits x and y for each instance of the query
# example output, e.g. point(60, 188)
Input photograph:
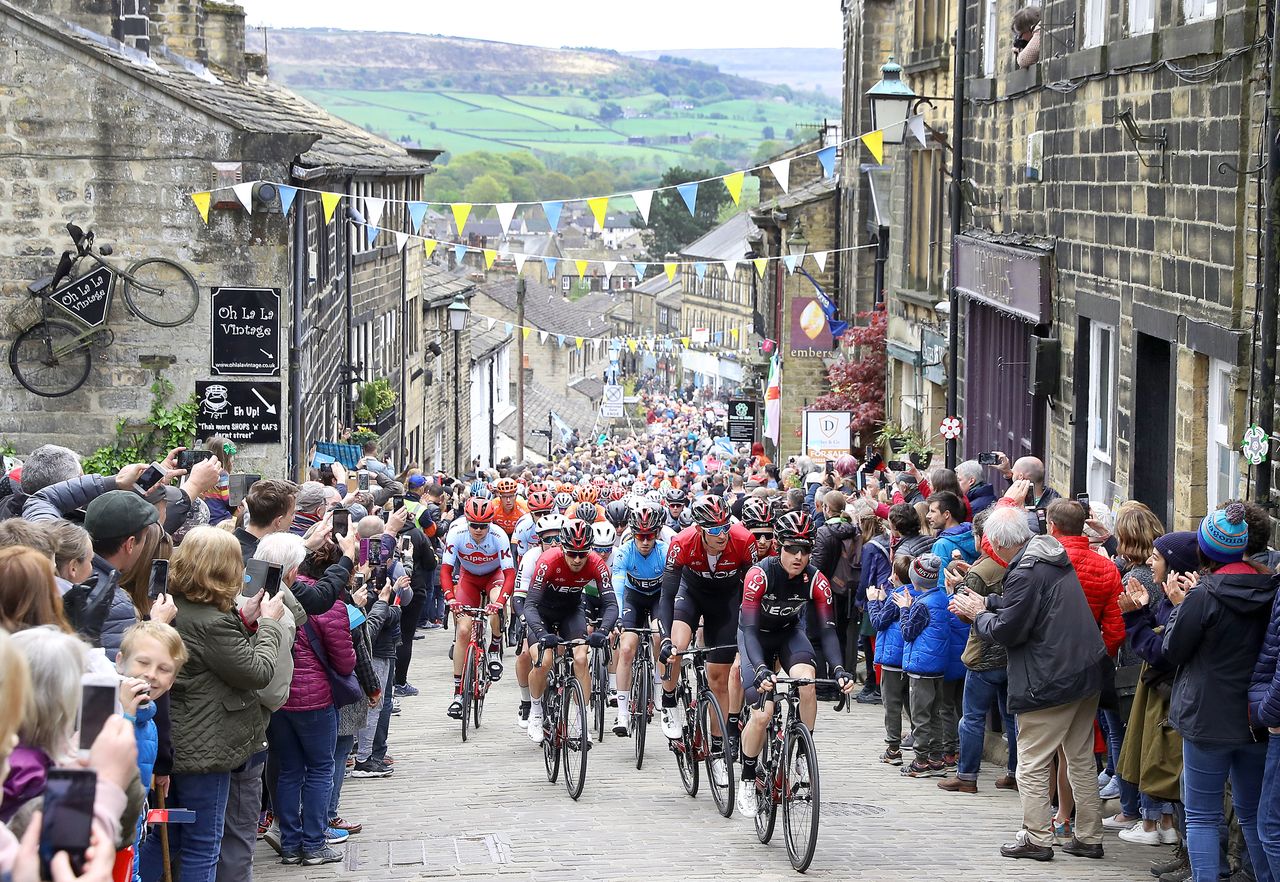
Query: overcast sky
point(651, 24)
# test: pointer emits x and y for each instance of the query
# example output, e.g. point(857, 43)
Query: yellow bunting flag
point(330, 202)
point(429, 246)
point(461, 211)
point(671, 271)
point(631, 344)
point(733, 332)
point(875, 143)
point(684, 341)
point(524, 332)
point(202, 203)
point(733, 183)
point(761, 264)
point(578, 342)
point(489, 257)
point(599, 207)
point(582, 268)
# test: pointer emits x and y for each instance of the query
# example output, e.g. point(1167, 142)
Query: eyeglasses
point(549, 540)
point(646, 537)
point(797, 549)
point(576, 555)
point(716, 531)
point(483, 528)
point(763, 537)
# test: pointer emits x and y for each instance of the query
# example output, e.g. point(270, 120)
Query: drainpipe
point(1270, 275)
point(348, 415)
point(297, 443)
point(957, 209)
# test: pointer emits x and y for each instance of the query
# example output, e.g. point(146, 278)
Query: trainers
point(1114, 822)
point(1007, 782)
point(746, 806)
point(340, 824)
point(1111, 791)
point(455, 707)
point(1080, 849)
point(917, 769)
point(1174, 864)
point(868, 696)
point(622, 723)
point(406, 689)
point(1104, 778)
point(1063, 833)
point(370, 769)
point(395, 708)
point(335, 836)
point(264, 823)
point(958, 785)
point(1022, 847)
point(938, 768)
point(291, 859)
point(324, 855)
point(951, 761)
point(271, 836)
point(1138, 836)
point(909, 743)
point(891, 757)
point(534, 726)
point(672, 722)
point(1183, 874)
point(1169, 835)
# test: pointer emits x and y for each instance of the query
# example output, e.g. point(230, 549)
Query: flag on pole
point(773, 402)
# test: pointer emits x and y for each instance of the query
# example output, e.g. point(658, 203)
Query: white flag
point(609, 267)
point(401, 240)
point(244, 192)
point(373, 210)
point(820, 258)
point(915, 125)
point(542, 336)
point(506, 211)
point(644, 199)
point(782, 171)
point(730, 269)
point(519, 259)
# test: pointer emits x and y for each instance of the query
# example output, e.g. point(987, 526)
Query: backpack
point(86, 606)
point(848, 570)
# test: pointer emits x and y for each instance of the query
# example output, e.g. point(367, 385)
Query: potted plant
point(892, 437)
point(377, 405)
point(918, 448)
point(361, 435)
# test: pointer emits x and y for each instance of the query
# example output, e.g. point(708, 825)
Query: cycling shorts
point(638, 609)
point(473, 590)
point(718, 613)
point(568, 624)
point(788, 648)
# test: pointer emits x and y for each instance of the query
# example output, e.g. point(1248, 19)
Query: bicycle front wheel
point(685, 749)
point(468, 688)
point(800, 796)
point(766, 808)
point(575, 745)
point(551, 733)
point(50, 359)
point(161, 292)
point(599, 691)
point(480, 677)
point(641, 690)
point(715, 748)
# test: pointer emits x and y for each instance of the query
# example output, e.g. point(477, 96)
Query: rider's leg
point(681, 636)
point(538, 673)
point(718, 676)
point(808, 694)
point(461, 638)
point(580, 657)
point(625, 656)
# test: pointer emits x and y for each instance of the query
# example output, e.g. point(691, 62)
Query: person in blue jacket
point(884, 615)
point(954, 542)
point(926, 635)
point(637, 568)
point(1264, 710)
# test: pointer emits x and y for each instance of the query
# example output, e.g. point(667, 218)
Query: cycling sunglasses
point(716, 531)
point(763, 537)
point(576, 555)
point(795, 548)
point(475, 526)
point(646, 537)
point(549, 540)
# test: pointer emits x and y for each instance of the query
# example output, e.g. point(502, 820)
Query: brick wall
point(179, 26)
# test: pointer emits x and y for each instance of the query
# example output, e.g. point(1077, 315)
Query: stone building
point(716, 304)
point(434, 388)
point(114, 114)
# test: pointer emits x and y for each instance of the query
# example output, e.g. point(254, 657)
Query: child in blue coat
point(926, 636)
point(885, 615)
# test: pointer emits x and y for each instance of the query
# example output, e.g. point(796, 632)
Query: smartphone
point(67, 817)
point(274, 574)
point(238, 488)
point(364, 552)
point(341, 521)
point(1083, 499)
point(1042, 521)
point(99, 699)
point(396, 503)
point(261, 576)
point(860, 480)
point(187, 459)
point(988, 458)
point(326, 470)
point(375, 550)
point(831, 467)
point(159, 583)
point(896, 465)
point(362, 480)
point(152, 476)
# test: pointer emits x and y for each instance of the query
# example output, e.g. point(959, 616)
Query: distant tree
point(708, 147)
point(609, 111)
point(766, 150)
point(767, 133)
point(486, 188)
point(670, 226)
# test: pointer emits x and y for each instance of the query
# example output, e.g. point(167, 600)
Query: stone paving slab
point(484, 809)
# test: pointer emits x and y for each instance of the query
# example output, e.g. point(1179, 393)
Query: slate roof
point(656, 284)
point(439, 283)
point(547, 310)
point(809, 192)
point(590, 387)
point(728, 241)
point(254, 105)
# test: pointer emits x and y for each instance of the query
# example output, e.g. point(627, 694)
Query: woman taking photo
point(218, 722)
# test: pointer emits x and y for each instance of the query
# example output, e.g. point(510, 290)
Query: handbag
point(345, 688)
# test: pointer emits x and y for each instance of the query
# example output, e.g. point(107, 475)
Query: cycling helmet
point(685, 519)
point(627, 479)
point(585, 511)
point(755, 513)
point(794, 528)
point(563, 501)
point(604, 534)
point(654, 495)
point(478, 511)
point(677, 497)
point(599, 482)
point(577, 536)
point(648, 521)
point(708, 511)
point(551, 523)
point(480, 491)
point(617, 513)
point(615, 493)
point(540, 501)
point(588, 494)
point(777, 506)
point(504, 486)
point(539, 485)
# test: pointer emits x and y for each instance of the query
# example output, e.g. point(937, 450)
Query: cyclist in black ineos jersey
point(775, 600)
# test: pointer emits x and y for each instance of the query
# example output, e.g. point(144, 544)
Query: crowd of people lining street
point(1113, 662)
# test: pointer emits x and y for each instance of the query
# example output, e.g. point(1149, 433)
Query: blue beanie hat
point(1224, 535)
point(1179, 551)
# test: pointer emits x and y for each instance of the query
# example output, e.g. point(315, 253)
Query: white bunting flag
point(820, 258)
point(644, 199)
point(915, 125)
point(782, 171)
point(519, 259)
point(609, 267)
point(373, 210)
point(402, 239)
point(244, 192)
point(506, 212)
point(542, 336)
point(730, 269)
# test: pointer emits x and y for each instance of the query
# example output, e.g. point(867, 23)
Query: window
point(566, 282)
point(1199, 10)
point(663, 315)
point(1102, 403)
point(1221, 458)
point(932, 23)
point(924, 252)
point(1142, 16)
point(990, 39)
point(1095, 23)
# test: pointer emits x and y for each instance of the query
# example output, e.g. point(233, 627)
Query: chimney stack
point(131, 24)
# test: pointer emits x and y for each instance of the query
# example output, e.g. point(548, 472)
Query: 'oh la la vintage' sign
point(245, 332)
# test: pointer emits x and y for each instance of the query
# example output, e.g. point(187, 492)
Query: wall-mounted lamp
point(1125, 118)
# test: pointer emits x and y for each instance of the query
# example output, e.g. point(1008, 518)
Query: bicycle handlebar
point(698, 651)
point(537, 662)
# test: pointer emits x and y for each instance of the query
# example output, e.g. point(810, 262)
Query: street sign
point(246, 411)
point(88, 297)
point(742, 421)
point(246, 332)
point(611, 403)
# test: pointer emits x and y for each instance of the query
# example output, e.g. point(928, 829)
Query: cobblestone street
point(485, 809)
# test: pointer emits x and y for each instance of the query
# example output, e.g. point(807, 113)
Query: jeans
point(1269, 808)
point(374, 732)
point(384, 717)
point(1134, 804)
point(433, 611)
point(981, 690)
point(195, 846)
point(341, 750)
point(1113, 732)
point(1205, 770)
point(409, 617)
point(304, 740)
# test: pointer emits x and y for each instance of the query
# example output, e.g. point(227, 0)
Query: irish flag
point(773, 401)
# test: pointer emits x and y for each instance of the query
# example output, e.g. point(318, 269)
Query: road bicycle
point(598, 665)
point(703, 717)
point(563, 710)
point(787, 773)
point(475, 673)
point(50, 356)
point(642, 706)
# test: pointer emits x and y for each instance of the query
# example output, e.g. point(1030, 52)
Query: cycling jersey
point(556, 593)
point(507, 520)
point(481, 566)
point(632, 571)
point(774, 603)
point(524, 536)
point(698, 588)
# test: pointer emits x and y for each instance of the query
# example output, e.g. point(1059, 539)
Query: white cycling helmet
point(603, 534)
point(551, 523)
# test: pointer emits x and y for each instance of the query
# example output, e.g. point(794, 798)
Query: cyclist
point(549, 527)
point(756, 518)
point(675, 499)
point(509, 509)
point(618, 513)
point(486, 577)
point(563, 500)
point(775, 601)
point(706, 563)
point(525, 535)
point(555, 612)
point(637, 582)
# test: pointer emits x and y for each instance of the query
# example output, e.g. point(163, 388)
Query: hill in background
point(804, 70)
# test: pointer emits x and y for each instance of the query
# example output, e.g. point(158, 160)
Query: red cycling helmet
point(616, 492)
point(478, 511)
point(648, 521)
point(541, 501)
point(577, 536)
point(794, 528)
point(755, 513)
point(709, 512)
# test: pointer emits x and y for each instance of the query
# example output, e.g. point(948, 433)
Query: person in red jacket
point(1098, 576)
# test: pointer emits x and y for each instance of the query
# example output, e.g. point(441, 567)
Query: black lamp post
point(459, 313)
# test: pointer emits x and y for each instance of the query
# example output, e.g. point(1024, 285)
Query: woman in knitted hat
point(1213, 636)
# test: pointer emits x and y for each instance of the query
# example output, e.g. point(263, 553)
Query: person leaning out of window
point(1026, 37)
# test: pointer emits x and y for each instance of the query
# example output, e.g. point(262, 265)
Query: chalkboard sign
point(246, 332)
point(245, 411)
point(88, 297)
point(742, 421)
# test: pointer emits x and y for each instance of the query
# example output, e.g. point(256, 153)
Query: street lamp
point(797, 244)
point(459, 312)
point(891, 101)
